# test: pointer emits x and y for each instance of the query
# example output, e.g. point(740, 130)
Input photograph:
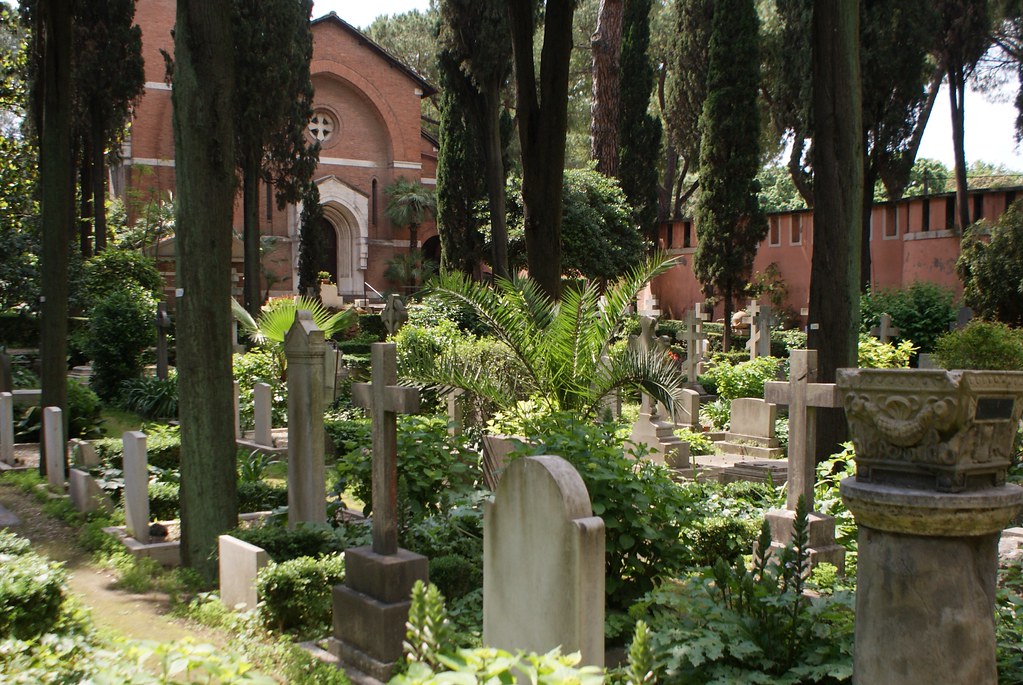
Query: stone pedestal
point(821, 533)
point(659, 436)
point(926, 578)
point(371, 608)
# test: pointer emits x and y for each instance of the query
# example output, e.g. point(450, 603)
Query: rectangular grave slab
point(86, 494)
point(240, 562)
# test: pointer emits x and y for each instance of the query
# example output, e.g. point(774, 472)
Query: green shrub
point(260, 366)
point(295, 595)
point(114, 270)
point(151, 397)
point(455, 575)
point(31, 594)
point(163, 448)
point(261, 496)
point(746, 379)
point(19, 329)
point(981, 345)
point(434, 468)
point(347, 434)
point(13, 545)
point(84, 411)
point(751, 625)
point(164, 501)
point(283, 544)
point(922, 312)
point(120, 329)
point(373, 326)
point(874, 354)
point(698, 442)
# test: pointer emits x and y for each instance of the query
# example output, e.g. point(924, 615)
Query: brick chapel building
point(367, 119)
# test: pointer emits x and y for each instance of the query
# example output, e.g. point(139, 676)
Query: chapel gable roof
point(366, 41)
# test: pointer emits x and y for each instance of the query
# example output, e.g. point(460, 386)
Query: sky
point(989, 125)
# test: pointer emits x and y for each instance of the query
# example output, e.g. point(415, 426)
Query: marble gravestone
point(371, 608)
point(6, 427)
point(304, 348)
point(136, 486)
point(55, 448)
point(543, 562)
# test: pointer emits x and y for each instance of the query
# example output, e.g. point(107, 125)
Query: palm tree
point(410, 204)
point(565, 349)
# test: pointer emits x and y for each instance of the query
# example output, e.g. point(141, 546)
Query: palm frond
point(650, 371)
point(245, 322)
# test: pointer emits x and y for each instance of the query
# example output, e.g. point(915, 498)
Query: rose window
point(322, 125)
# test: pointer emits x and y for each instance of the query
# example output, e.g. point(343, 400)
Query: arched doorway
point(431, 250)
point(340, 249)
point(327, 259)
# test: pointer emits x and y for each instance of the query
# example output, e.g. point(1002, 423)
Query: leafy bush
point(373, 325)
point(874, 354)
point(165, 503)
point(921, 312)
point(434, 468)
point(991, 270)
point(31, 594)
point(453, 541)
point(296, 595)
point(151, 397)
point(120, 329)
point(698, 442)
point(13, 545)
point(283, 544)
point(115, 270)
point(84, 411)
point(730, 624)
point(746, 379)
point(260, 366)
point(163, 447)
point(981, 345)
point(716, 414)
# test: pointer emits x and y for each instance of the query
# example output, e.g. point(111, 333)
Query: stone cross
point(6, 427)
point(163, 323)
point(695, 339)
point(385, 399)
point(759, 319)
point(307, 489)
point(886, 331)
point(394, 315)
point(803, 395)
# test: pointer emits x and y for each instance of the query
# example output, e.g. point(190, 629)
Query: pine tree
point(729, 221)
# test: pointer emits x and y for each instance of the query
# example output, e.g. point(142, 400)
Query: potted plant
point(939, 429)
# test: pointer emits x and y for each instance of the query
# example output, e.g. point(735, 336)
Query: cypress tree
point(730, 223)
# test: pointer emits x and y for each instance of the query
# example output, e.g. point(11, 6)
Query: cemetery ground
point(688, 589)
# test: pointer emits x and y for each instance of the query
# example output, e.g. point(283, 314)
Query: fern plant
point(565, 348)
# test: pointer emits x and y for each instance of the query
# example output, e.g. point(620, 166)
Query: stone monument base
point(659, 437)
point(820, 531)
point(371, 608)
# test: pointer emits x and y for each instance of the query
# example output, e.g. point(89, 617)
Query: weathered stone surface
point(86, 494)
point(83, 453)
point(752, 430)
point(307, 488)
point(53, 427)
point(262, 398)
point(239, 564)
point(386, 577)
point(543, 562)
point(136, 486)
point(6, 428)
point(821, 533)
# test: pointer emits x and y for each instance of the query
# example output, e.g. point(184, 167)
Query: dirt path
point(135, 616)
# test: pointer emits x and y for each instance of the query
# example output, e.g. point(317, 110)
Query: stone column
point(307, 488)
point(262, 409)
point(136, 486)
point(53, 427)
point(930, 502)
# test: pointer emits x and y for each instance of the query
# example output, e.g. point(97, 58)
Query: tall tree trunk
point(867, 201)
point(606, 47)
point(99, 184)
point(957, 96)
point(204, 154)
point(493, 156)
point(543, 121)
point(838, 192)
point(85, 211)
point(56, 180)
point(726, 338)
point(251, 293)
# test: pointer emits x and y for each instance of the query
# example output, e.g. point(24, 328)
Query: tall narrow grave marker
point(6, 427)
point(56, 463)
point(136, 486)
point(307, 488)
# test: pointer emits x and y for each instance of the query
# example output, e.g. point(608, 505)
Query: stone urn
point(949, 431)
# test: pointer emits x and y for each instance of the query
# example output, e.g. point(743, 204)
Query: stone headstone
point(56, 461)
point(331, 358)
point(307, 490)
point(651, 430)
point(926, 360)
point(136, 486)
point(163, 323)
point(759, 319)
point(236, 390)
point(687, 410)
point(371, 608)
point(6, 427)
point(240, 563)
point(83, 453)
point(885, 331)
point(86, 494)
point(262, 404)
point(803, 395)
point(752, 432)
point(456, 411)
point(543, 562)
point(394, 315)
point(963, 317)
point(695, 340)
